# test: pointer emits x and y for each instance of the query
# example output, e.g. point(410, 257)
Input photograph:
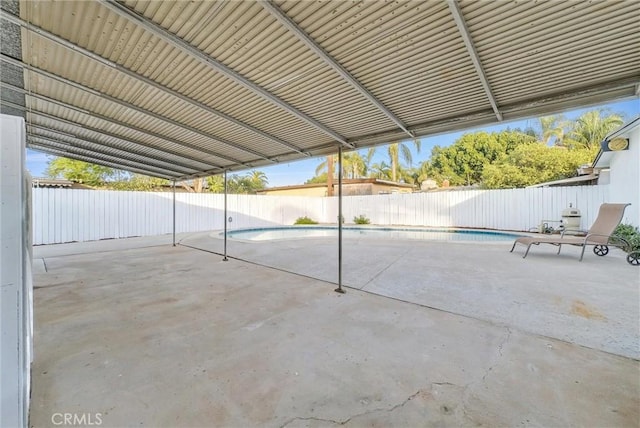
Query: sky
point(300, 171)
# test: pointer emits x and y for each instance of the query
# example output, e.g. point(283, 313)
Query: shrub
point(305, 220)
point(361, 219)
point(630, 234)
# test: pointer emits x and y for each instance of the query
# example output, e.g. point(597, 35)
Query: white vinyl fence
point(64, 215)
point(508, 209)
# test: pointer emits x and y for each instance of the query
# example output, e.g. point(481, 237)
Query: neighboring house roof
point(345, 181)
point(54, 182)
point(603, 158)
point(573, 181)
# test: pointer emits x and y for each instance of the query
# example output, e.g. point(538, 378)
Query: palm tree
point(395, 150)
point(592, 127)
point(258, 178)
point(380, 170)
point(215, 183)
point(550, 127)
point(353, 164)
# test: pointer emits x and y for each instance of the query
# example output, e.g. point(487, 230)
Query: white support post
point(16, 338)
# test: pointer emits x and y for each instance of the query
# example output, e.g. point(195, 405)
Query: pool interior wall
point(427, 233)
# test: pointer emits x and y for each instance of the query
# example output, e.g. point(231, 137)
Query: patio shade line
point(59, 152)
point(32, 111)
point(139, 77)
point(126, 104)
point(292, 26)
point(149, 160)
point(219, 67)
point(473, 54)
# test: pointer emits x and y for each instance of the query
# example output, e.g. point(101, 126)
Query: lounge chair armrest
point(626, 245)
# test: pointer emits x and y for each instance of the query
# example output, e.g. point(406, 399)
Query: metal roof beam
point(126, 104)
point(292, 26)
point(68, 154)
point(31, 111)
point(134, 75)
point(64, 138)
point(473, 54)
point(219, 67)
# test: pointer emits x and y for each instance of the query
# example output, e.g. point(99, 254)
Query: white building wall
point(624, 178)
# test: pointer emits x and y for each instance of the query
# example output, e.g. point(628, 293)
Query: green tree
point(141, 183)
point(250, 183)
point(79, 171)
point(591, 128)
point(463, 162)
point(322, 178)
point(530, 164)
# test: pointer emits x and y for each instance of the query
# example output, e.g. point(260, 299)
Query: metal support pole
point(174, 213)
point(224, 259)
point(340, 289)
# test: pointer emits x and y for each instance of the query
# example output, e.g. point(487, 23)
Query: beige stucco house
point(350, 187)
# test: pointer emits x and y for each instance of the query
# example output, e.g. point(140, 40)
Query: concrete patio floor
point(428, 334)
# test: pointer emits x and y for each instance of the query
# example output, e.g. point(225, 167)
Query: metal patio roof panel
point(111, 81)
point(412, 56)
point(220, 92)
point(398, 50)
point(98, 104)
point(88, 152)
point(83, 118)
point(290, 73)
point(76, 142)
point(100, 160)
point(546, 47)
point(115, 141)
point(154, 58)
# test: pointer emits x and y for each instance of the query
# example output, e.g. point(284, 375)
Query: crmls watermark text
point(77, 419)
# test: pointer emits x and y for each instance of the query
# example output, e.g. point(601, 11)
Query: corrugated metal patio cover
point(179, 89)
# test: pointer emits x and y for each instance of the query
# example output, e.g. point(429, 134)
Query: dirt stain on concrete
point(583, 310)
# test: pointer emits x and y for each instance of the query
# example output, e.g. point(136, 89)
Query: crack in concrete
point(385, 269)
point(346, 421)
point(500, 347)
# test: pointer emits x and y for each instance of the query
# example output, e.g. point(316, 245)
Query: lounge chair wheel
point(601, 250)
point(634, 258)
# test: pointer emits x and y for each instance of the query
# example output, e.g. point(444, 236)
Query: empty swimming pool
point(351, 232)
